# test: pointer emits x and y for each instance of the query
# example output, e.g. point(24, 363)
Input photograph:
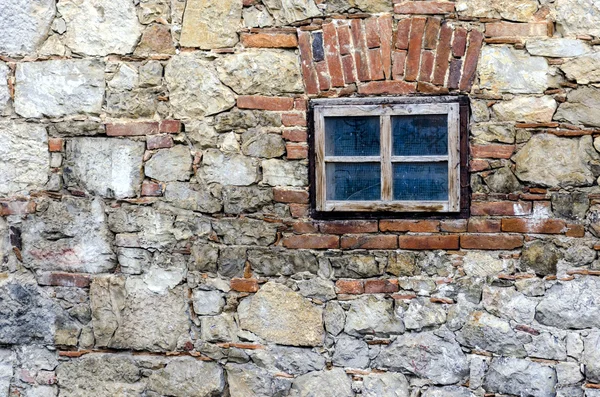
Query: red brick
point(60, 279)
point(386, 32)
point(372, 32)
point(478, 165)
point(16, 207)
point(306, 63)
point(265, 102)
point(454, 75)
point(376, 64)
point(484, 225)
point(305, 227)
point(248, 3)
point(381, 287)
point(471, 60)
point(349, 287)
point(299, 210)
point(283, 195)
point(442, 55)
point(415, 226)
point(492, 151)
point(323, 76)
point(428, 88)
point(295, 135)
point(538, 226)
point(343, 227)
point(55, 144)
point(575, 230)
point(151, 189)
point(396, 87)
point(434, 242)
point(511, 29)
point(459, 44)
point(348, 69)
point(170, 126)
point(360, 50)
point(424, 7)
point(244, 284)
point(296, 151)
point(159, 141)
point(501, 208)
point(399, 60)
point(300, 104)
point(361, 241)
point(490, 241)
point(269, 40)
point(132, 129)
point(426, 66)
point(344, 38)
point(312, 241)
point(454, 225)
point(332, 55)
point(293, 119)
point(402, 34)
point(413, 60)
point(432, 29)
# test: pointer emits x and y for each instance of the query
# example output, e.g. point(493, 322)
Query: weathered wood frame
point(385, 109)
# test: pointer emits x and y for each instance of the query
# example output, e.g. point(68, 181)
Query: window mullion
point(386, 157)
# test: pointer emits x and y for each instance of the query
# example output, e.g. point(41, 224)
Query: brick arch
point(383, 56)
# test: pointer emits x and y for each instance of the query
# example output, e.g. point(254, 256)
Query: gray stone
point(165, 273)
point(579, 108)
point(314, 287)
point(385, 385)
point(332, 383)
point(76, 128)
point(503, 69)
point(591, 356)
point(570, 205)
point(579, 255)
point(357, 266)
point(529, 109)
point(7, 359)
point(208, 24)
point(168, 165)
point(220, 328)
point(194, 87)
point(548, 160)
point(530, 286)
point(259, 144)
point(483, 264)
point(421, 313)
point(25, 157)
point(540, 257)
point(448, 391)
point(257, 17)
point(370, 6)
point(508, 303)
point(193, 197)
point(280, 315)
point(583, 69)
point(284, 173)
point(204, 257)
point(334, 318)
point(154, 11)
point(70, 235)
point(240, 199)
point(4, 90)
point(247, 380)
point(571, 304)
point(297, 361)
point(208, 303)
point(268, 72)
point(245, 231)
point(232, 261)
point(513, 10)
point(188, 377)
point(547, 346)
point(577, 17)
point(133, 260)
point(228, 169)
point(350, 352)
point(127, 315)
point(137, 103)
point(402, 264)
point(105, 166)
point(504, 133)
point(478, 368)
point(372, 315)
point(100, 27)
point(557, 47)
point(503, 181)
point(24, 25)
point(486, 332)
point(568, 373)
point(288, 11)
point(427, 356)
point(59, 88)
point(520, 377)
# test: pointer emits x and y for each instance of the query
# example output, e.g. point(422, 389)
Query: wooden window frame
point(457, 110)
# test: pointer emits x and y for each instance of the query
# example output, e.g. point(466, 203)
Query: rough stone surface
point(509, 304)
point(252, 381)
point(168, 165)
point(334, 318)
point(583, 69)
point(100, 27)
point(577, 17)
point(4, 89)
point(297, 361)
point(280, 315)
point(449, 391)
point(25, 25)
point(195, 88)
point(540, 257)
point(258, 144)
point(506, 70)
point(228, 169)
point(486, 332)
point(591, 357)
point(193, 197)
point(351, 352)
point(530, 109)
point(239, 199)
point(87, 160)
point(520, 377)
point(385, 384)
point(519, 10)
point(245, 231)
point(59, 88)
point(332, 383)
point(422, 314)
point(208, 24)
point(25, 158)
point(557, 47)
point(360, 318)
point(188, 377)
point(580, 107)
point(548, 160)
point(269, 262)
point(287, 11)
point(284, 173)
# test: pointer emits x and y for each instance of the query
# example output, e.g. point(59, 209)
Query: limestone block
point(249, 380)
point(448, 391)
point(288, 11)
point(557, 47)
point(508, 303)
point(4, 90)
point(284, 173)
point(211, 24)
point(530, 109)
point(486, 332)
point(584, 69)
point(24, 24)
point(332, 383)
point(513, 10)
point(169, 165)
point(372, 6)
point(385, 384)
point(521, 377)
point(228, 169)
point(577, 17)
point(580, 107)
point(193, 197)
point(188, 377)
point(372, 315)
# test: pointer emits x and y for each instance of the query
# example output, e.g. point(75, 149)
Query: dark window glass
point(420, 181)
point(352, 136)
point(353, 181)
point(420, 135)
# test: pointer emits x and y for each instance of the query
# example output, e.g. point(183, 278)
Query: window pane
point(352, 136)
point(353, 181)
point(420, 135)
point(421, 181)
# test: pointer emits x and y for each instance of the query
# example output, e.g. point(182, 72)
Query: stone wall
point(156, 236)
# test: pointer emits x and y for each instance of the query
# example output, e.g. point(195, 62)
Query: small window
point(390, 156)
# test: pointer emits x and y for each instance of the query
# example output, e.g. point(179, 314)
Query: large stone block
point(59, 88)
point(249, 380)
point(503, 69)
point(268, 72)
point(25, 157)
point(100, 27)
point(513, 10)
point(4, 90)
point(557, 47)
point(169, 165)
point(193, 197)
point(188, 377)
point(373, 315)
point(385, 384)
point(106, 166)
point(332, 383)
point(24, 24)
point(70, 235)
point(548, 160)
point(195, 88)
point(575, 17)
point(591, 356)
point(520, 377)
point(211, 24)
point(580, 107)
point(228, 169)
point(584, 69)
point(284, 173)
point(531, 109)
point(288, 11)
point(486, 332)
point(280, 315)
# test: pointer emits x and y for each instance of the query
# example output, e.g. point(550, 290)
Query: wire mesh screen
point(352, 136)
point(420, 181)
point(420, 135)
point(353, 181)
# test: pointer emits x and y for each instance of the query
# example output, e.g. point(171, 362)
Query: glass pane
point(421, 181)
point(420, 135)
point(353, 181)
point(352, 136)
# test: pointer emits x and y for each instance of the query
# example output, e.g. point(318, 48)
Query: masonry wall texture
point(156, 237)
